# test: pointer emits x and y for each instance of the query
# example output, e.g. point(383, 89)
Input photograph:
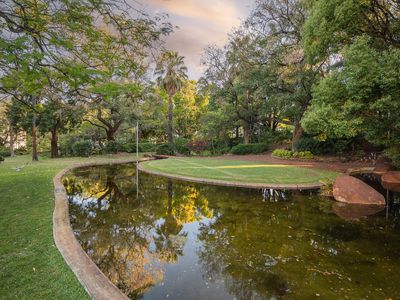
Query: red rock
point(355, 211)
point(349, 189)
point(391, 181)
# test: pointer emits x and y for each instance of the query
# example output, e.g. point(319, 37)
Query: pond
point(157, 238)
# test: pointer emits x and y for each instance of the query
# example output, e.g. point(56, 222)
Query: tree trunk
point(297, 134)
point(246, 134)
point(246, 127)
point(12, 140)
point(170, 133)
point(54, 143)
point(34, 142)
point(111, 135)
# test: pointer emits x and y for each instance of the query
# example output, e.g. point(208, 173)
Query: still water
point(157, 238)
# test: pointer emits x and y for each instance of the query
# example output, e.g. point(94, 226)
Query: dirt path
point(334, 166)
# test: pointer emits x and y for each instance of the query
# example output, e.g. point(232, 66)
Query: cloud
point(223, 13)
point(200, 23)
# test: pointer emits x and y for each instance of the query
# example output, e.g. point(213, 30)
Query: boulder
point(391, 181)
point(355, 211)
point(349, 189)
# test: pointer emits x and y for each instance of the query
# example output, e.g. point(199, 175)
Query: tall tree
point(171, 72)
point(359, 94)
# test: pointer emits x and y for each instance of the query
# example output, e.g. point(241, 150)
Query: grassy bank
point(30, 264)
point(240, 171)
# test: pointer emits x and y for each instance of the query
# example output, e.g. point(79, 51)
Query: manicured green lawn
point(30, 264)
point(240, 171)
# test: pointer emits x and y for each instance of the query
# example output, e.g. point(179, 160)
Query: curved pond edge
point(301, 187)
point(96, 284)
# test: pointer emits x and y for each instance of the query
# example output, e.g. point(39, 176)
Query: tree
point(115, 103)
point(261, 72)
point(359, 93)
point(50, 45)
point(360, 98)
point(57, 117)
point(334, 24)
point(171, 72)
point(190, 105)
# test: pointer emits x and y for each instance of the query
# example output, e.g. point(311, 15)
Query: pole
point(137, 140)
point(137, 159)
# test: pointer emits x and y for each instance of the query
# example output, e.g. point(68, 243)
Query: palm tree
point(171, 73)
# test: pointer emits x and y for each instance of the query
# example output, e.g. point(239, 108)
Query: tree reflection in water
point(241, 243)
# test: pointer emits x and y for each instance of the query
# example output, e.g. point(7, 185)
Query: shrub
point(66, 146)
point(303, 155)
point(181, 146)
point(282, 153)
point(205, 153)
point(393, 153)
point(4, 152)
point(330, 146)
point(82, 148)
point(147, 147)
point(129, 147)
point(242, 149)
point(1, 158)
point(21, 151)
point(198, 146)
point(307, 143)
point(112, 147)
point(143, 147)
point(287, 154)
point(165, 149)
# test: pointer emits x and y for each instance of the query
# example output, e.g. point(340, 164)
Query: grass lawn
point(30, 265)
point(240, 171)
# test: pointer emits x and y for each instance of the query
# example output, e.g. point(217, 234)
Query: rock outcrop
point(349, 189)
point(391, 181)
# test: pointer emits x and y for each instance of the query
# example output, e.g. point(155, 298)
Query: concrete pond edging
point(96, 284)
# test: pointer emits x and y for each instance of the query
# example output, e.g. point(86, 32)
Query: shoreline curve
point(96, 284)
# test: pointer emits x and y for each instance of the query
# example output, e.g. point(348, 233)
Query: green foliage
point(282, 153)
point(129, 147)
point(21, 151)
point(287, 154)
point(143, 147)
point(181, 146)
point(329, 146)
point(242, 149)
point(360, 98)
point(165, 149)
point(1, 158)
point(112, 147)
point(393, 153)
point(4, 152)
point(303, 155)
point(82, 148)
point(147, 147)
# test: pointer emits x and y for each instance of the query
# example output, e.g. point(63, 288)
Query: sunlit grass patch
point(241, 171)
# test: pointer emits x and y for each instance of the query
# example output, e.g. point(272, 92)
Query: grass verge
point(30, 265)
point(240, 171)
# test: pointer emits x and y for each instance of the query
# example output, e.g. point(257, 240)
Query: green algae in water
point(160, 238)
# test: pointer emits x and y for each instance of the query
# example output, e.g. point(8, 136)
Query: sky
point(200, 23)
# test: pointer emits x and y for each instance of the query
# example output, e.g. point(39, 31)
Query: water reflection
point(349, 211)
point(161, 238)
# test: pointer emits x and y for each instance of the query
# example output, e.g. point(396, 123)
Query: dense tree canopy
point(306, 74)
